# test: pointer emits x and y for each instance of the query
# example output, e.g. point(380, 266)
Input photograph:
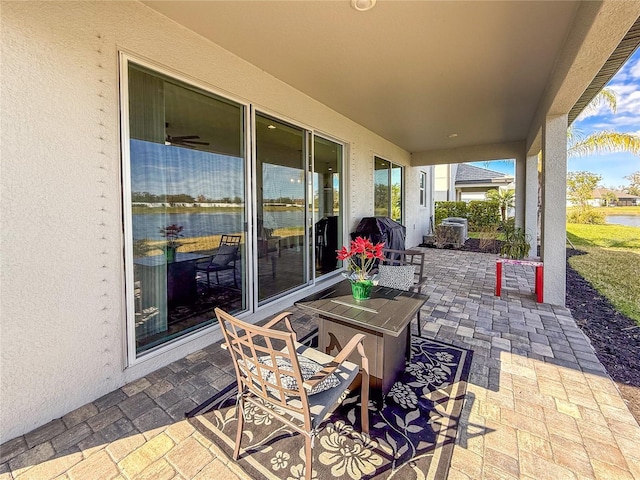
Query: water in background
point(202, 224)
point(629, 220)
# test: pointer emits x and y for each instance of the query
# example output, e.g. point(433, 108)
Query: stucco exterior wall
point(62, 320)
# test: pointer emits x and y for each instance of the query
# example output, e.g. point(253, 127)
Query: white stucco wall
point(62, 299)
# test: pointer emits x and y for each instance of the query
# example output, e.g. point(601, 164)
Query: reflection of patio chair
point(296, 384)
point(224, 259)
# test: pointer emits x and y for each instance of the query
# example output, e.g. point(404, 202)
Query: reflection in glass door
point(327, 205)
point(280, 207)
point(185, 226)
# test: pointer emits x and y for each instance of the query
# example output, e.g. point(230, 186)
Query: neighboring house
point(600, 198)
point(302, 103)
point(465, 182)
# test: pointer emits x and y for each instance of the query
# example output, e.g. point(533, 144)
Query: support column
point(521, 192)
point(554, 194)
point(531, 202)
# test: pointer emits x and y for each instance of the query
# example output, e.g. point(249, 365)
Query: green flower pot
point(170, 253)
point(361, 290)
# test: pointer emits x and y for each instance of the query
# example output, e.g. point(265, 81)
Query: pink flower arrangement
point(361, 258)
point(172, 233)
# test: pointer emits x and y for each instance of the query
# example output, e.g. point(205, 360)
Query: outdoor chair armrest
point(417, 287)
point(283, 316)
point(357, 341)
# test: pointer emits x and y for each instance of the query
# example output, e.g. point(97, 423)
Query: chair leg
point(240, 414)
point(308, 452)
point(419, 325)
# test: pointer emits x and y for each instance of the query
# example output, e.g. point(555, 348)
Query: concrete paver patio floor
point(539, 404)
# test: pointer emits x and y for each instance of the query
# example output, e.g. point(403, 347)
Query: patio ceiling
point(414, 72)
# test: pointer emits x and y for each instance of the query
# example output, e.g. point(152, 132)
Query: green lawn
point(611, 262)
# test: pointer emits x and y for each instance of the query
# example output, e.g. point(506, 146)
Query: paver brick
point(502, 438)
point(80, 415)
point(467, 462)
point(178, 431)
point(606, 471)
point(34, 456)
point(543, 469)
point(52, 468)
point(500, 462)
point(136, 405)
point(607, 452)
point(539, 446)
point(105, 418)
point(153, 422)
point(12, 448)
point(552, 388)
point(146, 454)
point(158, 470)
point(45, 433)
point(563, 425)
point(189, 457)
point(568, 408)
point(71, 437)
point(571, 454)
point(523, 422)
point(98, 465)
point(136, 386)
point(124, 446)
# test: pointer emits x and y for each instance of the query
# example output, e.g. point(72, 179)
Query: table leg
point(498, 278)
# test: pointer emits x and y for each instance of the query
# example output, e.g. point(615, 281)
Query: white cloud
point(634, 69)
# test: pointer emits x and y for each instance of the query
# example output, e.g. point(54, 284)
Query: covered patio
point(362, 104)
point(539, 405)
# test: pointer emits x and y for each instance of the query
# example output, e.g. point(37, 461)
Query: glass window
point(388, 185)
point(185, 207)
point(281, 168)
point(327, 207)
point(423, 189)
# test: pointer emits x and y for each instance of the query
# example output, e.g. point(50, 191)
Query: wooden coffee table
point(384, 319)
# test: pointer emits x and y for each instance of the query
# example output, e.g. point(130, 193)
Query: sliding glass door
point(184, 170)
point(190, 218)
point(281, 207)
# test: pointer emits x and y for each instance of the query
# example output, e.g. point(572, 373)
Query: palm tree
point(605, 141)
point(505, 198)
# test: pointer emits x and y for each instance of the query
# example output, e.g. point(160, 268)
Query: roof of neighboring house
point(473, 175)
point(601, 192)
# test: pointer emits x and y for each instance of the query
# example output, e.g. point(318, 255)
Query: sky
point(613, 167)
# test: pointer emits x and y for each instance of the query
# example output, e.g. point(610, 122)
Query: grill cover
point(382, 229)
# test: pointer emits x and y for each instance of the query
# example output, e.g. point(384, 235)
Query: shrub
point(586, 216)
point(450, 209)
point(516, 244)
point(483, 214)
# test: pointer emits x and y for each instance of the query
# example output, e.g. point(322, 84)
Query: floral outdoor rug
point(411, 437)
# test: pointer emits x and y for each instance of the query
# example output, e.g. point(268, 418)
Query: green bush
point(483, 213)
point(585, 216)
point(517, 242)
point(450, 209)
